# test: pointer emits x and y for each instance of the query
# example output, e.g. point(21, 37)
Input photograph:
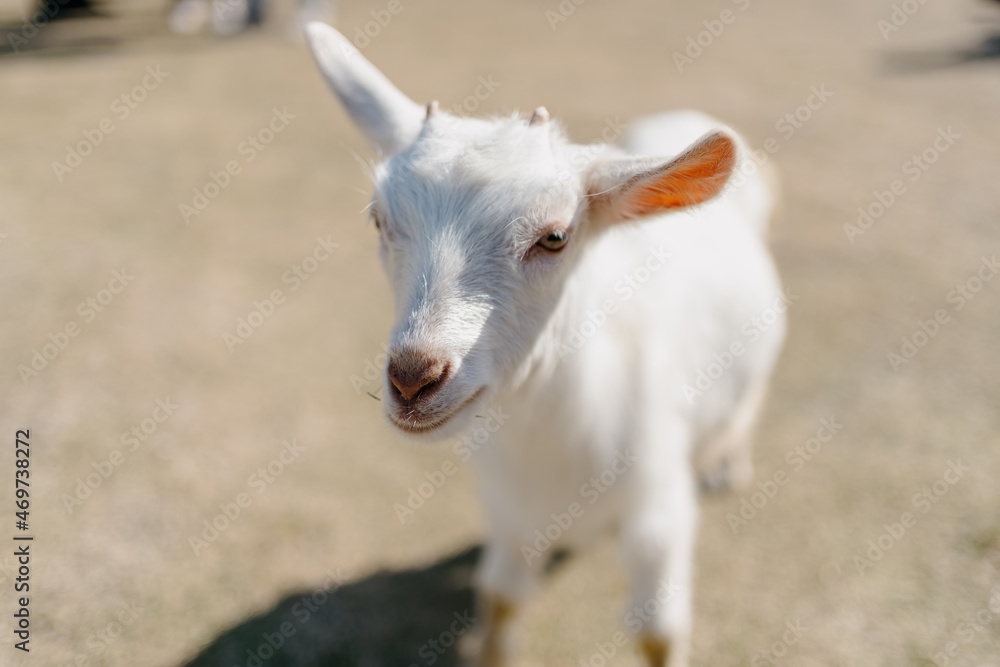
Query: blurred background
point(194, 317)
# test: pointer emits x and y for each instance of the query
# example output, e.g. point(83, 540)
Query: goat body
point(619, 303)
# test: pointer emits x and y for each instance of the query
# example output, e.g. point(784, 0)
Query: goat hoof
point(481, 647)
point(661, 652)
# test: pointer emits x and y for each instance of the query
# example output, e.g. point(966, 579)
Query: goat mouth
point(414, 425)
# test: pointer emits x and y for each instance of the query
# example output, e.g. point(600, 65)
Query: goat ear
point(630, 187)
point(388, 118)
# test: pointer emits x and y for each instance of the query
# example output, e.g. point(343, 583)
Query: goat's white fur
point(462, 202)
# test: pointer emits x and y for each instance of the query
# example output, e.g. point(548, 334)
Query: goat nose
point(416, 373)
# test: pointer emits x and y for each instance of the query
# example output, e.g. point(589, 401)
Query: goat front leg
point(503, 581)
point(658, 540)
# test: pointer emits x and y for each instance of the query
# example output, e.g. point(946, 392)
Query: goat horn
point(432, 108)
point(541, 115)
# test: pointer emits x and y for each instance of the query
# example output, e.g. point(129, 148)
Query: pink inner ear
point(692, 178)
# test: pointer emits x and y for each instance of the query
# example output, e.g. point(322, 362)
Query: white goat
point(575, 288)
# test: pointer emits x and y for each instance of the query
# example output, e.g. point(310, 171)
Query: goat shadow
point(388, 619)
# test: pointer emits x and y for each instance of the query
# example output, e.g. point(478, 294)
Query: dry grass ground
point(331, 508)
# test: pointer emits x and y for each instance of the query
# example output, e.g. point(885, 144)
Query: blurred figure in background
point(66, 9)
point(229, 17)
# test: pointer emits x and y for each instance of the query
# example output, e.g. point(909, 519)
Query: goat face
point(479, 224)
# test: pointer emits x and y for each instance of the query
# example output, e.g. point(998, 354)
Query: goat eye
point(375, 219)
point(554, 241)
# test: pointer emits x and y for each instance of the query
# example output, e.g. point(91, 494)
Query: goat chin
point(453, 421)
